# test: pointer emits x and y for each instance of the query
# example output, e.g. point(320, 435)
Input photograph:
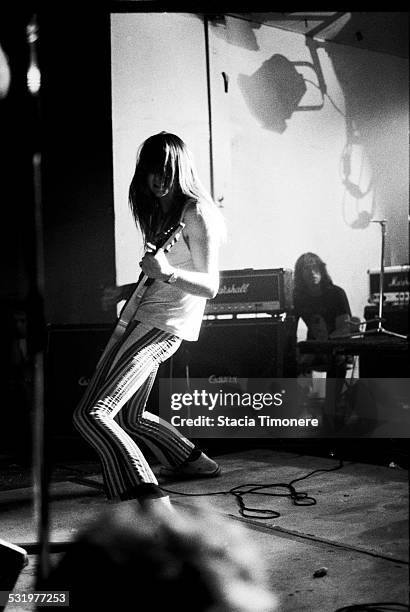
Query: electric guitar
point(165, 242)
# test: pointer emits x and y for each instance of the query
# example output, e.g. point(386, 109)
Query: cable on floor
point(388, 606)
point(298, 498)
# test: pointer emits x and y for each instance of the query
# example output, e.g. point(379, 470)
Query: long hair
point(304, 261)
point(167, 155)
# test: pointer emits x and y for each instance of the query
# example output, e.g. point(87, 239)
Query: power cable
point(299, 498)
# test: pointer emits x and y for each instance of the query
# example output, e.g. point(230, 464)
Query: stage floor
point(358, 528)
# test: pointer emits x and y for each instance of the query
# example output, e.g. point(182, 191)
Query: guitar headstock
point(170, 237)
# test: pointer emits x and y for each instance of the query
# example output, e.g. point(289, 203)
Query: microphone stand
point(357, 333)
point(379, 329)
point(40, 468)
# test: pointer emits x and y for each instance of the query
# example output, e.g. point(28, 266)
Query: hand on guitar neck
point(117, 293)
point(133, 293)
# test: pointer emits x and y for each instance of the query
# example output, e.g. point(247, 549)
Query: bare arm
point(204, 279)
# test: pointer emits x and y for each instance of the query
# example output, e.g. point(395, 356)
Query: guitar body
point(165, 242)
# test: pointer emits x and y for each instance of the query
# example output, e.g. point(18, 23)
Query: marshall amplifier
point(252, 291)
point(396, 285)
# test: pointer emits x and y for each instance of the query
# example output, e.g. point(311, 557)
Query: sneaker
point(203, 467)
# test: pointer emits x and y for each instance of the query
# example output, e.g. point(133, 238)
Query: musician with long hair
point(164, 190)
point(323, 307)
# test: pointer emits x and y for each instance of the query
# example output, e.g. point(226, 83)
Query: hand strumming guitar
point(114, 294)
point(155, 264)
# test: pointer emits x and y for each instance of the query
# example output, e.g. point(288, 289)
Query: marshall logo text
point(229, 289)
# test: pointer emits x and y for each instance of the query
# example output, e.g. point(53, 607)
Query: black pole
point(40, 470)
point(209, 97)
point(381, 280)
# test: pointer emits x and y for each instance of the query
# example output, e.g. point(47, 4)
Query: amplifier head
point(249, 290)
point(396, 285)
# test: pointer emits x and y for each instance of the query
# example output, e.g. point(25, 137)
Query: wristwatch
point(171, 278)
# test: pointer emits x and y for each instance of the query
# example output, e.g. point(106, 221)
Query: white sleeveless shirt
point(171, 309)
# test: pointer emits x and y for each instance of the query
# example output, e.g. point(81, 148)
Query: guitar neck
point(133, 301)
point(131, 304)
point(141, 286)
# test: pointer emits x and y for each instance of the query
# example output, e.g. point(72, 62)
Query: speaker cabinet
point(235, 348)
point(394, 365)
point(242, 349)
point(395, 318)
point(71, 356)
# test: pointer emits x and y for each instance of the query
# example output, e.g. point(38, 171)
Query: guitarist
point(164, 190)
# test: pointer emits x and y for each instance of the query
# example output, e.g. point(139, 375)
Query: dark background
point(54, 265)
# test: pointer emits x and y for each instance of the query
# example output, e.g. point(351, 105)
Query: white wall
point(282, 190)
point(158, 83)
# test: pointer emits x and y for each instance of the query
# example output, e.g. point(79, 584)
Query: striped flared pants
point(112, 417)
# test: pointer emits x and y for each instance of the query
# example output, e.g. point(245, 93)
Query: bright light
point(33, 73)
point(33, 79)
